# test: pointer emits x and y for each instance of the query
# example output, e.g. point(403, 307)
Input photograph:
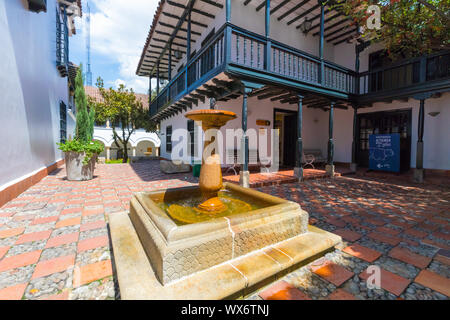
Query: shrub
point(89, 148)
point(84, 130)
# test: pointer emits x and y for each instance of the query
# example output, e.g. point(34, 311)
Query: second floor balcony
point(237, 53)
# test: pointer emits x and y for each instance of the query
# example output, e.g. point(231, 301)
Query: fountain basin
point(178, 250)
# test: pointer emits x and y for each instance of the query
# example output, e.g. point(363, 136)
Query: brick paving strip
point(54, 239)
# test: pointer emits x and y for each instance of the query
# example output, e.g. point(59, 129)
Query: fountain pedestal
point(210, 181)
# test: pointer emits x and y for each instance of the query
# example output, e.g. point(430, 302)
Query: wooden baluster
point(237, 47)
point(274, 59)
point(279, 61)
point(290, 67)
point(303, 69)
point(259, 60)
point(245, 50)
point(251, 53)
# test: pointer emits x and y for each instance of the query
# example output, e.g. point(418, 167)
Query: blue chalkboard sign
point(384, 152)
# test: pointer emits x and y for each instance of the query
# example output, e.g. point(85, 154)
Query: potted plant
point(81, 153)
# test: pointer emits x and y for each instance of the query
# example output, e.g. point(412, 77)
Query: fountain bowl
point(176, 251)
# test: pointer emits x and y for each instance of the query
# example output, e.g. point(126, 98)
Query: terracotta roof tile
point(95, 93)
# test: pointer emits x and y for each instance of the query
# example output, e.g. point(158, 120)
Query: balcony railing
point(234, 46)
point(406, 74)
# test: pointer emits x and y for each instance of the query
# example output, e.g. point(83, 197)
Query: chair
point(311, 156)
point(231, 160)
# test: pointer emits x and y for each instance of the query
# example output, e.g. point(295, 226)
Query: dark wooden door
point(385, 122)
point(289, 139)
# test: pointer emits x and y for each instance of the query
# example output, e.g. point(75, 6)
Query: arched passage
point(145, 148)
point(103, 153)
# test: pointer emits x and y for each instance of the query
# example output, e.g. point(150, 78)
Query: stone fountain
point(215, 240)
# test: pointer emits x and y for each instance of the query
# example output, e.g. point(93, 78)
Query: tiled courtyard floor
point(54, 239)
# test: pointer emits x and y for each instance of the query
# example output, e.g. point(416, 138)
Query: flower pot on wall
point(76, 170)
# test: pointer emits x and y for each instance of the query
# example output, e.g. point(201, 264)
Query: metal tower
point(88, 46)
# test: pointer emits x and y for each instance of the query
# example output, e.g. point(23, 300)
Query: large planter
point(76, 170)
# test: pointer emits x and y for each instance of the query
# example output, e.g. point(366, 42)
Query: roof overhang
point(170, 24)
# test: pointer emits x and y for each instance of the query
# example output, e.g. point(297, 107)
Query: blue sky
point(119, 29)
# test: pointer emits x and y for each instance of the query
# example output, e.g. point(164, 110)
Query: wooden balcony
point(247, 55)
point(429, 73)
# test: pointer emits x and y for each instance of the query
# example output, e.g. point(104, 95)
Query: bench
point(311, 156)
point(233, 157)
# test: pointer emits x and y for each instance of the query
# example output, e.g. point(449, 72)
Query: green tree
point(125, 113)
point(408, 28)
point(84, 130)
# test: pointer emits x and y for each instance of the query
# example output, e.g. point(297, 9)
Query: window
point(62, 42)
point(62, 122)
point(37, 5)
point(169, 139)
point(191, 141)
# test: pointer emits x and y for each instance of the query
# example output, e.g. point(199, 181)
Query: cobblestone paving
point(401, 227)
point(54, 238)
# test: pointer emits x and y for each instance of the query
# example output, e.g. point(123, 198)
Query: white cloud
point(118, 31)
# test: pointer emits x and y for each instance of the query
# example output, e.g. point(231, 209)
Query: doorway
point(384, 122)
point(286, 122)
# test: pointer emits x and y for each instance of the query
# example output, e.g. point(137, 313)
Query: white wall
point(315, 127)
point(105, 135)
point(436, 129)
point(248, 18)
point(315, 133)
point(30, 91)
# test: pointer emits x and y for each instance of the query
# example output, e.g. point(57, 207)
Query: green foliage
point(90, 148)
point(409, 28)
point(84, 130)
point(124, 111)
point(115, 161)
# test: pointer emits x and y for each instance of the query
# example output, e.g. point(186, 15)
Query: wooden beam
point(198, 96)
point(292, 10)
point(173, 16)
point(278, 7)
point(326, 20)
point(193, 100)
point(269, 95)
point(180, 29)
point(343, 40)
point(303, 14)
point(179, 24)
point(168, 34)
point(285, 96)
point(333, 25)
point(215, 4)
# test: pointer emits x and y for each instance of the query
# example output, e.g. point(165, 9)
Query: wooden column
point(330, 165)
point(228, 11)
point(268, 41)
point(244, 179)
point(321, 43)
point(170, 61)
point(419, 171)
point(357, 64)
point(150, 89)
point(157, 79)
point(353, 165)
point(188, 44)
point(298, 170)
point(227, 31)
